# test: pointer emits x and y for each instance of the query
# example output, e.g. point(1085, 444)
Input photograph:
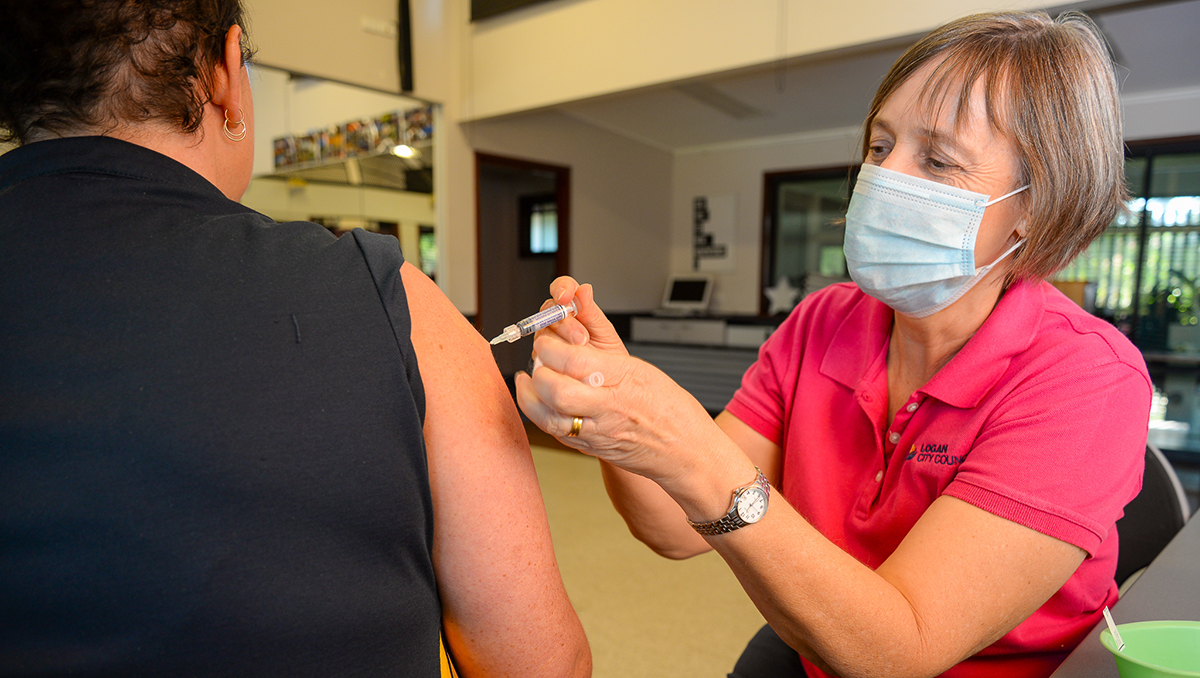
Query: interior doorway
point(523, 229)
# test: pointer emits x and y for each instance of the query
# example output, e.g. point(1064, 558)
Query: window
point(1143, 271)
point(1146, 266)
point(427, 250)
point(803, 229)
point(539, 225)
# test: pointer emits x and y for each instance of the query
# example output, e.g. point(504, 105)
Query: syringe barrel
point(546, 318)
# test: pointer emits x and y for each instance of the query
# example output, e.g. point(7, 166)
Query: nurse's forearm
point(959, 580)
point(830, 608)
point(833, 610)
point(651, 514)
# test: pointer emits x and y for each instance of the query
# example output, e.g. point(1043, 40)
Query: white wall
point(439, 34)
point(1163, 114)
point(353, 41)
point(620, 214)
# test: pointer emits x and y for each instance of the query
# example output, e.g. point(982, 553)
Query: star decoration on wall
point(782, 296)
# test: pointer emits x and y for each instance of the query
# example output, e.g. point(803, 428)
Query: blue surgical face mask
point(910, 242)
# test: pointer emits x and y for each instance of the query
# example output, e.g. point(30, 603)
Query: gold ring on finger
point(576, 427)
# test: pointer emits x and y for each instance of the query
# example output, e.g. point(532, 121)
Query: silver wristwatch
point(749, 506)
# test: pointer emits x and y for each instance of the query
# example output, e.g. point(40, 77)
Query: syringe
point(535, 322)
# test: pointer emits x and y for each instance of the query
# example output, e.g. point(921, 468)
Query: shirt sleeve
point(768, 386)
point(1064, 452)
point(383, 258)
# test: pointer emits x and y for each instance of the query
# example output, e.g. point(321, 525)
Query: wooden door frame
point(562, 200)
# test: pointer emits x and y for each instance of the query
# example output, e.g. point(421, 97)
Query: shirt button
point(893, 437)
point(879, 476)
point(912, 407)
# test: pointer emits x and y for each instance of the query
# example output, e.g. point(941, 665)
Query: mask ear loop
point(988, 203)
point(1000, 258)
point(1019, 242)
point(983, 270)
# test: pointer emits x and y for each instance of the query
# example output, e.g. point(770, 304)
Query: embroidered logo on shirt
point(933, 453)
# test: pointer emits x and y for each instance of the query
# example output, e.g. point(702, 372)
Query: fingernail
point(537, 362)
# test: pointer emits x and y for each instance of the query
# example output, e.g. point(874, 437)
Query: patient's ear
point(227, 91)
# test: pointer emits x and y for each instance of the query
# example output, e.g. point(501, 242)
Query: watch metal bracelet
point(733, 519)
point(729, 523)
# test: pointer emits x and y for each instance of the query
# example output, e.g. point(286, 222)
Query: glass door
point(803, 231)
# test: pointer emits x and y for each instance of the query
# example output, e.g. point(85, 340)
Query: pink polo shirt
point(1041, 418)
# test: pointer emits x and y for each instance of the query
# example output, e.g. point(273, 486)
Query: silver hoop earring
point(241, 133)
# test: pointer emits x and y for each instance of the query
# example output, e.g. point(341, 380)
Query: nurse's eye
point(877, 152)
point(938, 166)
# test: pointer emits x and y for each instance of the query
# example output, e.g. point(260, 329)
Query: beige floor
point(645, 616)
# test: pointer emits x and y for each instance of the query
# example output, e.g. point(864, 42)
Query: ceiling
point(1155, 45)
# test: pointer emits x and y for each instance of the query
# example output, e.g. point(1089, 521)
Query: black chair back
point(1153, 518)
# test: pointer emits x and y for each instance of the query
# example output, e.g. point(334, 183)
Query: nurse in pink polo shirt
point(921, 474)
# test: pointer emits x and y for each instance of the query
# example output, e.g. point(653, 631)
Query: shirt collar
point(1006, 333)
point(96, 155)
point(859, 342)
point(862, 338)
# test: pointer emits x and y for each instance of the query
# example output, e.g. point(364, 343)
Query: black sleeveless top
point(211, 459)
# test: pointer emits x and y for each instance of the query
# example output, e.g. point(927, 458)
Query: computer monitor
point(687, 294)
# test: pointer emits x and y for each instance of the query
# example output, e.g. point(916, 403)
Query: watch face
point(752, 505)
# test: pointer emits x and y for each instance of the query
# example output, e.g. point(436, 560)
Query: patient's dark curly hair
point(89, 66)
